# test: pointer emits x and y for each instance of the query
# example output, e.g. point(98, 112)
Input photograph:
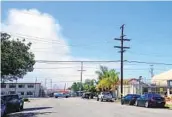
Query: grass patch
point(169, 106)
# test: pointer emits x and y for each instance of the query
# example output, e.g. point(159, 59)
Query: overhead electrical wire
point(40, 39)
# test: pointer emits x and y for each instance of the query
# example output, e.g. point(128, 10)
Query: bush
point(26, 100)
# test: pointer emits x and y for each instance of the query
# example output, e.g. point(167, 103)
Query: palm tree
point(102, 73)
point(107, 78)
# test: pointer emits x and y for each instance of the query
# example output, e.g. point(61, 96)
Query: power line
point(106, 61)
point(75, 61)
point(153, 55)
point(40, 39)
point(150, 63)
point(97, 68)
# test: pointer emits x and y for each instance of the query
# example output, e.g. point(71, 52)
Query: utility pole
point(122, 50)
point(51, 84)
point(35, 85)
point(152, 71)
point(81, 70)
point(16, 87)
point(65, 87)
point(45, 83)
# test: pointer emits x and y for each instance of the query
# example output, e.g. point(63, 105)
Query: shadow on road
point(28, 114)
point(36, 108)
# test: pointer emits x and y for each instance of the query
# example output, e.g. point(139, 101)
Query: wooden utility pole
point(152, 71)
point(122, 50)
point(81, 70)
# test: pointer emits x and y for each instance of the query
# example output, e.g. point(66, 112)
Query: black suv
point(13, 102)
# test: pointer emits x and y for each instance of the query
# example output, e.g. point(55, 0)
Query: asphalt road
point(77, 107)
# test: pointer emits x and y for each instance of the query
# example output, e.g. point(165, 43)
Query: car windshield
point(137, 96)
point(10, 97)
point(106, 93)
point(153, 95)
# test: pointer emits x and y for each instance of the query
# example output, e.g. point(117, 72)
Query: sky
point(86, 31)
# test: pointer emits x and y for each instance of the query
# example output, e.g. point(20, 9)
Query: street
point(77, 107)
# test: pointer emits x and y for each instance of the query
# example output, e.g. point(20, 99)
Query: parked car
point(85, 95)
point(105, 96)
point(150, 100)
point(13, 102)
point(3, 108)
point(62, 95)
point(130, 99)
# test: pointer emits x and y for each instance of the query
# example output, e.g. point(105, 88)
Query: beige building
point(161, 79)
point(164, 79)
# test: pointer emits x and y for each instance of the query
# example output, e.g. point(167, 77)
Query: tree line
point(107, 80)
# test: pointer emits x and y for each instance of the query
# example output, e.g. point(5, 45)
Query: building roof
point(162, 78)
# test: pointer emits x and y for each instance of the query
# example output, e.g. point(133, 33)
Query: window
point(22, 93)
point(128, 96)
point(12, 86)
point(30, 86)
point(12, 92)
point(170, 92)
point(170, 83)
point(2, 93)
point(3, 85)
point(29, 93)
point(21, 85)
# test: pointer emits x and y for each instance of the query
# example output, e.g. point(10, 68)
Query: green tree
point(16, 60)
point(77, 86)
point(89, 85)
point(107, 79)
point(102, 73)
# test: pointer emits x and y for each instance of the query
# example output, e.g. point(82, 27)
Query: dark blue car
point(150, 100)
point(130, 99)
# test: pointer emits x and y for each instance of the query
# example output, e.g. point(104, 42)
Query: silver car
point(105, 96)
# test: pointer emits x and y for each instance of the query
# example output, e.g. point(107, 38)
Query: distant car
point(3, 108)
point(13, 102)
point(130, 99)
point(86, 95)
point(62, 95)
point(105, 96)
point(150, 100)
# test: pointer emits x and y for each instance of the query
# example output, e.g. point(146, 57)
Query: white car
point(105, 96)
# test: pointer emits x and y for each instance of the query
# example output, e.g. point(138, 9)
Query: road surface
point(77, 107)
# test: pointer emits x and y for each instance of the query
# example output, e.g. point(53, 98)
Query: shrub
point(26, 100)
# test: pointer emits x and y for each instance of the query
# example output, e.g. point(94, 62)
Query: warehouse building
point(23, 89)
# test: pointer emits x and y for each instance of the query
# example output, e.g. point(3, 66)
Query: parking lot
point(77, 107)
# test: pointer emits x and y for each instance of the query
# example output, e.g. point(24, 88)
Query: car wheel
point(130, 103)
point(56, 97)
point(147, 105)
point(136, 103)
point(21, 108)
point(101, 99)
point(18, 110)
point(97, 99)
